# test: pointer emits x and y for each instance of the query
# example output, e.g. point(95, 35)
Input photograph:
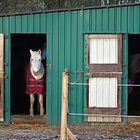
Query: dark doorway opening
point(20, 54)
point(134, 74)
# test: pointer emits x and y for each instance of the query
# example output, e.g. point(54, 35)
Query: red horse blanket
point(34, 86)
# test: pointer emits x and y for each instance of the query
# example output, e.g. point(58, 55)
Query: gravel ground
point(129, 131)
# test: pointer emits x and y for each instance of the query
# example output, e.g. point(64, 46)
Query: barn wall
point(65, 45)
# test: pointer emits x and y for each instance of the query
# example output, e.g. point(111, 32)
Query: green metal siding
point(61, 60)
point(55, 64)
point(49, 69)
point(124, 78)
point(65, 45)
point(80, 63)
point(112, 20)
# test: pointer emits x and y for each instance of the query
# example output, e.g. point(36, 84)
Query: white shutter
point(103, 92)
point(104, 51)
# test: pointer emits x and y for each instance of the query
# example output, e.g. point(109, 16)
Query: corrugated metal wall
point(65, 49)
point(65, 45)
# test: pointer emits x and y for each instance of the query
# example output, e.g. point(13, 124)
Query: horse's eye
point(39, 59)
point(31, 59)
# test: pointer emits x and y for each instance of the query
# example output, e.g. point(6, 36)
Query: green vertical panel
point(18, 24)
point(12, 24)
point(24, 24)
point(124, 94)
point(67, 42)
point(118, 19)
point(1, 23)
point(111, 20)
point(61, 58)
point(85, 72)
point(43, 24)
point(67, 53)
point(105, 20)
point(130, 19)
point(93, 20)
point(137, 19)
point(124, 18)
point(43, 29)
point(30, 23)
point(6, 71)
point(49, 69)
point(73, 50)
point(86, 20)
point(80, 59)
point(99, 21)
point(55, 65)
point(36, 23)
point(12, 29)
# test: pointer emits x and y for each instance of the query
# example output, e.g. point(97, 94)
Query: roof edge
point(67, 9)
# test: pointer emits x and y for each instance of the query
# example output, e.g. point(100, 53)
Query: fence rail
point(65, 108)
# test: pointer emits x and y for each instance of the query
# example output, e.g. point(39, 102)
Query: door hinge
point(6, 36)
point(124, 65)
point(5, 64)
point(49, 66)
point(124, 36)
point(6, 77)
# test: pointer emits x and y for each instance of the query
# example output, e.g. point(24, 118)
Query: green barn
point(94, 44)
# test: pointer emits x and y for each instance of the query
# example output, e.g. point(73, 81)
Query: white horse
point(35, 80)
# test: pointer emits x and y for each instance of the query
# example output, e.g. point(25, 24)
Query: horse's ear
point(31, 51)
point(39, 51)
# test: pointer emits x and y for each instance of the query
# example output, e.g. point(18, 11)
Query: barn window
point(103, 50)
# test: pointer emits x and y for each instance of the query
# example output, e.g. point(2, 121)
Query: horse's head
point(35, 60)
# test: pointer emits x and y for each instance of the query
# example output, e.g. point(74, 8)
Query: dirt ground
point(36, 131)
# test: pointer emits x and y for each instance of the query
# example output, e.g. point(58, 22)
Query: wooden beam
point(64, 105)
point(70, 134)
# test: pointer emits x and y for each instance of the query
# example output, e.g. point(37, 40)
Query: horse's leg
point(32, 99)
point(41, 104)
